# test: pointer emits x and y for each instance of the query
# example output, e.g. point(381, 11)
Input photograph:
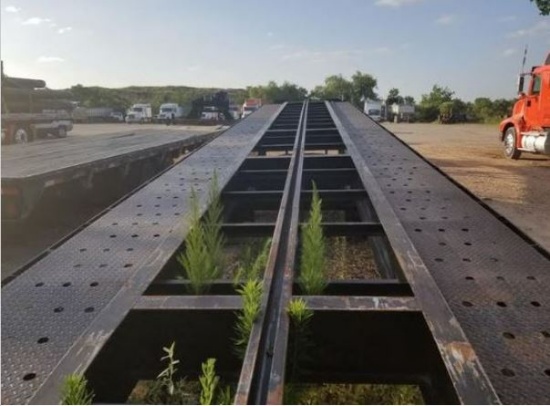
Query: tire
point(61, 132)
point(510, 144)
point(21, 136)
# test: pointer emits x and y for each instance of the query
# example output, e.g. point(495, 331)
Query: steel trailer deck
point(28, 170)
point(459, 307)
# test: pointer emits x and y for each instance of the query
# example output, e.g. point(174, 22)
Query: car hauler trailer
point(457, 305)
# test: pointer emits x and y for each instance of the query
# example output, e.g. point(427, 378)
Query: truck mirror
point(521, 81)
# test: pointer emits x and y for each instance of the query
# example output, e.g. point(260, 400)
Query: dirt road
point(472, 155)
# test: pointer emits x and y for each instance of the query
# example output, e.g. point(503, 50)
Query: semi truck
point(373, 109)
point(250, 106)
point(168, 112)
point(31, 111)
point(528, 128)
point(139, 113)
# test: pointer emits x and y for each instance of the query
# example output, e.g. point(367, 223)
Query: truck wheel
point(21, 136)
point(510, 148)
point(61, 132)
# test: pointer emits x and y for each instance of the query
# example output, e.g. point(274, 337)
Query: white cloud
point(509, 52)
point(12, 9)
point(49, 59)
point(270, 34)
point(64, 30)
point(538, 29)
point(446, 19)
point(193, 68)
point(396, 3)
point(36, 21)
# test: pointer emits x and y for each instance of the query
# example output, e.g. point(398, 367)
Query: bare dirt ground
point(472, 155)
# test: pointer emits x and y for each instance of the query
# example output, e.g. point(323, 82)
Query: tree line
point(360, 86)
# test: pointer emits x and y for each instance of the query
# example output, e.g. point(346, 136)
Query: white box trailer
point(140, 113)
point(402, 112)
point(373, 109)
point(170, 111)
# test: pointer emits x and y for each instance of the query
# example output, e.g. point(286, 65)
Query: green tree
point(337, 87)
point(363, 86)
point(428, 109)
point(394, 97)
point(409, 100)
point(543, 5)
point(274, 93)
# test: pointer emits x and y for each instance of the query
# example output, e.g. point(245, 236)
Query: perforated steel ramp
point(104, 269)
point(459, 307)
point(496, 284)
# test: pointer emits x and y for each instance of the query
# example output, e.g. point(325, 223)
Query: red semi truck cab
point(528, 129)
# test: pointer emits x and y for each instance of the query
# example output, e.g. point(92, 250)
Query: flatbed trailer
point(32, 169)
point(459, 306)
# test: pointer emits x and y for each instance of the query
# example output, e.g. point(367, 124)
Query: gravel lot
point(472, 155)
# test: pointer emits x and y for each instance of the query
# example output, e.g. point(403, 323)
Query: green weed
point(251, 293)
point(313, 278)
point(214, 240)
point(209, 381)
point(252, 266)
point(166, 377)
point(299, 343)
point(75, 391)
point(225, 397)
point(203, 258)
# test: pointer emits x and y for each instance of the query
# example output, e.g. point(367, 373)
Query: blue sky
point(473, 46)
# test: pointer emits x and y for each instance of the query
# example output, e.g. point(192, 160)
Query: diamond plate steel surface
point(497, 285)
point(47, 308)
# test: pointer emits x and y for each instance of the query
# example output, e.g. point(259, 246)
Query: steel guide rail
point(398, 328)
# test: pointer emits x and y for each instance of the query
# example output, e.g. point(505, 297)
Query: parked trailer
point(401, 112)
point(30, 171)
point(93, 114)
point(19, 128)
point(110, 298)
point(30, 111)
